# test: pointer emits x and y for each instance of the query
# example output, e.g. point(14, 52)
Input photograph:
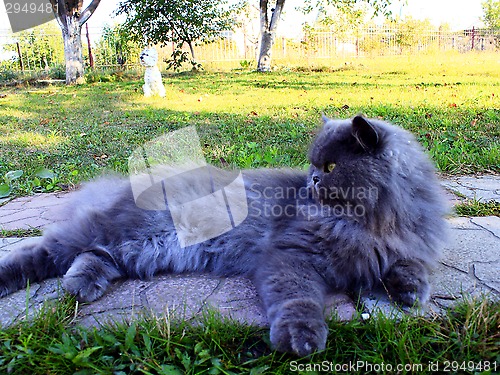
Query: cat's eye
point(329, 167)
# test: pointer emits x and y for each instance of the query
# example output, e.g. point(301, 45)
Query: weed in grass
point(9, 177)
point(474, 207)
point(18, 233)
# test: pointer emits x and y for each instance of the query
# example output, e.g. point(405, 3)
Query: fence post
point(21, 64)
point(91, 58)
point(473, 35)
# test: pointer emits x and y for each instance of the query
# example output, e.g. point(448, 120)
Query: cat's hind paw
point(299, 336)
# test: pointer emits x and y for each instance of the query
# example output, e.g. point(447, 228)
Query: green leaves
point(13, 175)
point(491, 10)
point(180, 22)
point(44, 173)
point(42, 180)
point(6, 188)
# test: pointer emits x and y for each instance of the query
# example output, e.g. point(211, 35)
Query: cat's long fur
point(310, 244)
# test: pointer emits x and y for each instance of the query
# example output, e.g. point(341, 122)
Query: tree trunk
point(266, 43)
point(193, 58)
point(73, 56)
point(267, 33)
point(71, 19)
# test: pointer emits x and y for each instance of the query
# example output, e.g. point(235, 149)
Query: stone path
point(470, 266)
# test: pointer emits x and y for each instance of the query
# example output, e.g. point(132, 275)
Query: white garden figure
point(152, 76)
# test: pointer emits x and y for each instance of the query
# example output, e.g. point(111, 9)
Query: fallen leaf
point(452, 105)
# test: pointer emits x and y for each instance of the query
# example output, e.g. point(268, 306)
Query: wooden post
point(473, 35)
point(91, 58)
point(21, 64)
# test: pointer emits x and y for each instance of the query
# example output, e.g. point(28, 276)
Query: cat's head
point(348, 163)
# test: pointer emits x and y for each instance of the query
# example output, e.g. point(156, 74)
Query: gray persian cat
point(368, 213)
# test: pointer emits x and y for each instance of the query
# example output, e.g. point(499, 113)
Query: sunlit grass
point(450, 102)
point(32, 140)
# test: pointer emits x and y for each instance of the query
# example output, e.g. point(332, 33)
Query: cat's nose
point(315, 179)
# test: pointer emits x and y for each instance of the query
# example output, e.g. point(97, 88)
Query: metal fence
point(45, 51)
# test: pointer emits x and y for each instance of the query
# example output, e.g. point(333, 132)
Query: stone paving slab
point(34, 211)
point(469, 266)
point(484, 188)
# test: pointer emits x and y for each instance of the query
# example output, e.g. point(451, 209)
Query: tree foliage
point(491, 10)
point(378, 6)
point(116, 48)
point(181, 22)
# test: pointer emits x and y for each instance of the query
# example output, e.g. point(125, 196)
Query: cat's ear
point(365, 133)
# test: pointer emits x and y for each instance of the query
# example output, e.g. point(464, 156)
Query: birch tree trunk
point(73, 56)
point(71, 19)
point(268, 32)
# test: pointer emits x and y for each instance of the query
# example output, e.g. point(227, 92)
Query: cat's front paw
point(407, 283)
point(88, 277)
point(299, 336)
point(84, 288)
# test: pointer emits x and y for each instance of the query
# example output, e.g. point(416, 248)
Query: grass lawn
point(463, 342)
point(59, 136)
point(246, 119)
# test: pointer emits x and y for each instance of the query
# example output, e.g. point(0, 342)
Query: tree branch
point(60, 12)
point(264, 21)
point(276, 15)
point(88, 11)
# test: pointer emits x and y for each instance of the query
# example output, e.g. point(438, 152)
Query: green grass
point(475, 207)
point(32, 232)
point(51, 344)
point(248, 119)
